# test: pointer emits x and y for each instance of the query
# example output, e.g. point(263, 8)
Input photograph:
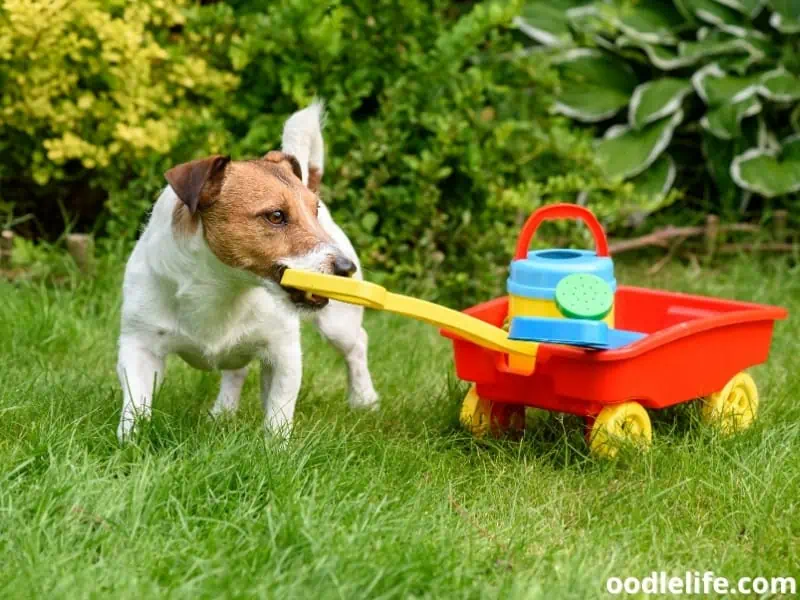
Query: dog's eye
point(276, 217)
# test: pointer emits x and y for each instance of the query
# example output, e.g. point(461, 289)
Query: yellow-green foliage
point(87, 80)
point(439, 138)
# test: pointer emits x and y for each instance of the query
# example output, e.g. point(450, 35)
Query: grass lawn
point(395, 504)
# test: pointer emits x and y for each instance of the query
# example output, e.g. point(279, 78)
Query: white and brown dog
point(204, 279)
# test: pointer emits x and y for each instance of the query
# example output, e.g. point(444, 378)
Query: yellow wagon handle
point(353, 291)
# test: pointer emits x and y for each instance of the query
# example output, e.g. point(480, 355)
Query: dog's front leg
point(281, 374)
point(140, 372)
point(341, 325)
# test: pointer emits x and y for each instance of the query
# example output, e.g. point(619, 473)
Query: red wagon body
point(694, 346)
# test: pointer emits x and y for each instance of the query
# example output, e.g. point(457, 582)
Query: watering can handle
point(561, 211)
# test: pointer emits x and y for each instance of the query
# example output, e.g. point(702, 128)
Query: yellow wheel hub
point(476, 413)
point(480, 416)
point(617, 425)
point(733, 408)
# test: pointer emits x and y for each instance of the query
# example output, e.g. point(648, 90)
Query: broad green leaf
point(707, 47)
point(657, 180)
point(710, 11)
point(718, 43)
point(753, 35)
point(780, 86)
point(656, 99)
point(736, 64)
point(786, 15)
point(730, 100)
point(594, 85)
point(686, 10)
point(690, 53)
point(628, 54)
point(769, 172)
point(720, 153)
point(587, 19)
point(703, 32)
point(756, 134)
point(716, 87)
point(749, 8)
point(724, 121)
point(546, 21)
point(653, 185)
point(662, 57)
point(626, 152)
point(651, 21)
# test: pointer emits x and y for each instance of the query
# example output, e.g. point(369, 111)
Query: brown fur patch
point(235, 224)
point(286, 161)
point(314, 179)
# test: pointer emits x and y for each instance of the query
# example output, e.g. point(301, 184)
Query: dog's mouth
point(306, 299)
point(302, 298)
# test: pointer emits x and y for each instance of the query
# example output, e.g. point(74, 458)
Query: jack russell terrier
point(203, 281)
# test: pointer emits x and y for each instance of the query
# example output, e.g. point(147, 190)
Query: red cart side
point(694, 346)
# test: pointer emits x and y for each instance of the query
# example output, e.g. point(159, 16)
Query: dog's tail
point(302, 138)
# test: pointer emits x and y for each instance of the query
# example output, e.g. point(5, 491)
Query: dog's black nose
point(343, 266)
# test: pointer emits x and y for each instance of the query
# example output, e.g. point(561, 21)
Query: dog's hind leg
point(230, 390)
point(140, 373)
point(340, 324)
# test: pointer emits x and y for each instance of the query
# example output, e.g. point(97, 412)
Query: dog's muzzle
point(300, 298)
point(340, 265)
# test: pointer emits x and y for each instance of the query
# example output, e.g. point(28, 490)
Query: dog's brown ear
point(189, 178)
point(279, 157)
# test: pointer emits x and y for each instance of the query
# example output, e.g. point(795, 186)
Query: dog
point(203, 281)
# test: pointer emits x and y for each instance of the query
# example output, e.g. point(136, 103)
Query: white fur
point(312, 261)
point(178, 298)
point(302, 137)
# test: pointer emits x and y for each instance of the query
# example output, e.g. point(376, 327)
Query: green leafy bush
point(721, 75)
point(88, 92)
point(439, 137)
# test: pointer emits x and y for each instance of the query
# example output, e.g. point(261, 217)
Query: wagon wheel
point(619, 424)
point(480, 416)
point(733, 408)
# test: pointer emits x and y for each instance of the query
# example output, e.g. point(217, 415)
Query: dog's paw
point(278, 433)
point(126, 430)
point(364, 400)
point(221, 412)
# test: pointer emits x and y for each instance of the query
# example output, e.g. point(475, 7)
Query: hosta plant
point(719, 75)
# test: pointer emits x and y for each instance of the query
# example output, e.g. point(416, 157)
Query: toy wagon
point(541, 346)
point(694, 347)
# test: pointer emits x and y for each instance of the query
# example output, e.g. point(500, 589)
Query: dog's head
point(257, 216)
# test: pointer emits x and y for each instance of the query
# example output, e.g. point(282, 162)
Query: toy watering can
point(534, 275)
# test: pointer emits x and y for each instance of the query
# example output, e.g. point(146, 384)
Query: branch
point(662, 236)
point(6, 248)
point(765, 247)
point(667, 257)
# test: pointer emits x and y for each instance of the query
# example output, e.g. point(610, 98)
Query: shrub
point(439, 135)
point(721, 75)
point(88, 93)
